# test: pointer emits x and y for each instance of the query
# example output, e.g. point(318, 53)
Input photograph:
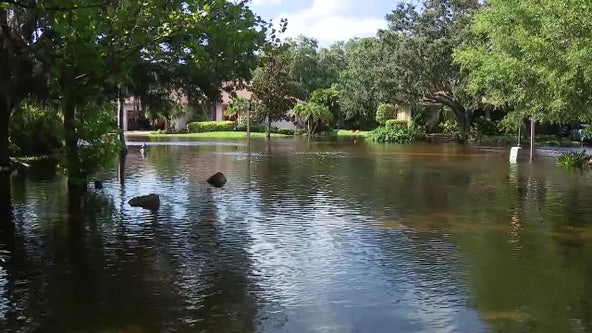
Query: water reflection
point(305, 237)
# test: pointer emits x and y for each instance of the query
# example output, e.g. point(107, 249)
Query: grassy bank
point(344, 133)
point(218, 135)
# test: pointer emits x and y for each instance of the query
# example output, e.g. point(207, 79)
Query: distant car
point(578, 133)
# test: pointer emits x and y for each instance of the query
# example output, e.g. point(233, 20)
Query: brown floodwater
point(321, 236)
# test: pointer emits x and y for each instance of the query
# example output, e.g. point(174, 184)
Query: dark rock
point(150, 201)
point(217, 180)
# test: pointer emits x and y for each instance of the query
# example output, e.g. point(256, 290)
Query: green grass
point(351, 133)
point(218, 135)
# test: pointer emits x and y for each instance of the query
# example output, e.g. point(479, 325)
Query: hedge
point(210, 126)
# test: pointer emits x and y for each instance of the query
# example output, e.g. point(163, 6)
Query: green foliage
point(386, 112)
point(35, 130)
point(395, 132)
point(449, 127)
point(313, 68)
point(484, 126)
point(313, 114)
point(328, 97)
point(394, 123)
point(210, 126)
point(98, 141)
point(361, 81)
point(285, 131)
point(573, 159)
point(417, 56)
point(534, 56)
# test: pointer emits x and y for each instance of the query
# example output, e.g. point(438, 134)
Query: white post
point(532, 136)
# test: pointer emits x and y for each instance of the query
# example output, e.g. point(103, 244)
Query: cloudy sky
point(328, 20)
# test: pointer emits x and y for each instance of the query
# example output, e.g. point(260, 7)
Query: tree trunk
point(5, 111)
point(463, 118)
point(5, 198)
point(76, 178)
point(120, 122)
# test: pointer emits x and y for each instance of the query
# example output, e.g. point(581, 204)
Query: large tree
point(360, 83)
point(535, 56)
point(418, 61)
point(87, 49)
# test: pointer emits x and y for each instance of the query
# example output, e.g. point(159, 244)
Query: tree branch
point(52, 8)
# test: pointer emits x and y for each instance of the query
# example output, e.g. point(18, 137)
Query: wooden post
point(532, 136)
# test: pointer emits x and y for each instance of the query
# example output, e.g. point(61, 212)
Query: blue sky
point(328, 20)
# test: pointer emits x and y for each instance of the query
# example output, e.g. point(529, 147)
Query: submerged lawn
point(219, 135)
point(352, 133)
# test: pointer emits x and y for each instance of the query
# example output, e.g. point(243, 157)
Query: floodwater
point(330, 236)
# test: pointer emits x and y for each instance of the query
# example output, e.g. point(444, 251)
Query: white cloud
point(332, 20)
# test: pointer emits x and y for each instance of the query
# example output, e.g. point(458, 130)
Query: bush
point(396, 124)
point(395, 132)
point(385, 112)
point(210, 126)
point(573, 159)
point(484, 126)
point(35, 130)
point(285, 131)
point(254, 128)
point(449, 127)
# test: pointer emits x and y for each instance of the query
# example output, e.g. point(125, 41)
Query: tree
point(313, 114)
point(418, 56)
point(312, 67)
point(271, 85)
point(534, 56)
point(85, 55)
point(329, 98)
point(21, 71)
point(359, 84)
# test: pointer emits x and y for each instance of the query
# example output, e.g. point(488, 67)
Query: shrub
point(254, 128)
point(396, 132)
point(210, 126)
point(35, 130)
point(396, 124)
point(484, 126)
point(285, 131)
point(573, 159)
point(386, 112)
point(449, 127)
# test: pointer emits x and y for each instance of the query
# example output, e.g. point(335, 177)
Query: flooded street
point(326, 236)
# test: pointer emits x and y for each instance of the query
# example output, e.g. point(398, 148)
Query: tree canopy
point(533, 55)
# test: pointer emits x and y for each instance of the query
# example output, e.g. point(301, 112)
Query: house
point(135, 117)
point(288, 123)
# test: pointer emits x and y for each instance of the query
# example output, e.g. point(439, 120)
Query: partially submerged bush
point(484, 126)
point(573, 159)
point(386, 112)
point(210, 126)
point(395, 132)
point(35, 130)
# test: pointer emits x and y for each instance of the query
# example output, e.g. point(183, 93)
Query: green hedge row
point(223, 126)
point(210, 126)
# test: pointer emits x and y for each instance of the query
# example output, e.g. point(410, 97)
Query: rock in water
point(150, 201)
point(217, 180)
